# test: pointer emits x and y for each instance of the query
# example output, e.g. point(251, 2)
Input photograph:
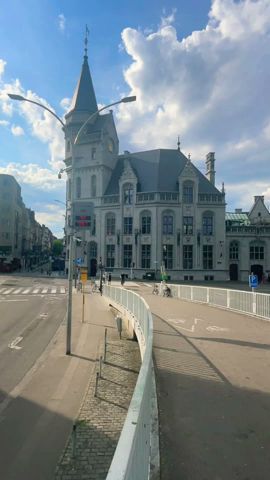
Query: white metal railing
point(257, 304)
point(131, 460)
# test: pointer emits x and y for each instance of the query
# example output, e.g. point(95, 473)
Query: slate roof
point(84, 98)
point(157, 171)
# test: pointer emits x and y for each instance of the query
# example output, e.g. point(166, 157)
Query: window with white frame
point(78, 187)
point(93, 186)
point(145, 256)
point(187, 257)
point(110, 224)
point(208, 224)
point(128, 192)
point(167, 224)
point(167, 256)
point(188, 192)
point(128, 225)
point(127, 255)
point(207, 257)
point(146, 223)
point(256, 252)
point(188, 225)
point(234, 250)
point(110, 256)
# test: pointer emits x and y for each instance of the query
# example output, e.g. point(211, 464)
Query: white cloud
point(211, 88)
point(33, 175)
point(166, 19)
point(62, 22)
point(65, 103)
point(2, 66)
point(52, 217)
point(17, 131)
point(4, 123)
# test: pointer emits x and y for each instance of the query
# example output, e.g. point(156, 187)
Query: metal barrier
point(256, 304)
point(131, 460)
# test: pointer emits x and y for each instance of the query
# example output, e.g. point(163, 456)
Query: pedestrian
point(122, 276)
point(109, 278)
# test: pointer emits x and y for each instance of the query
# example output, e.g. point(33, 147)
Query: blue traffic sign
point(253, 281)
point(79, 261)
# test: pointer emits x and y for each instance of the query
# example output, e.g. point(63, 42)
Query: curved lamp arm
point(123, 100)
point(13, 96)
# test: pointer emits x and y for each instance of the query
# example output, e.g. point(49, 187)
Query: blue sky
point(199, 69)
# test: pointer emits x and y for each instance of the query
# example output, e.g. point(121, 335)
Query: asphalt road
point(28, 321)
point(212, 370)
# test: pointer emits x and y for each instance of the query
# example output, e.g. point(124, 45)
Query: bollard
point(119, 326)
point(105, 344)
point(74, 438)
point(100, 366)
point(97, 376)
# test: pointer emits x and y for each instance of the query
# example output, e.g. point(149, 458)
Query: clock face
point(110, 145)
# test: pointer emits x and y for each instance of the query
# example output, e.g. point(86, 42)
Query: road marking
point(14, 344)
point(17, 291)
point(26, 291)
point(43, 315)
point(62, 290)
point(36, 290)
point(213, 328)
point(45, 290)
point(147, 285)
point(179, 320)
point(6, 292)
point(2, 289)
point(53, 290)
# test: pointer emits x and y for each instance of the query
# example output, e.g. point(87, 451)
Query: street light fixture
point(20, 98)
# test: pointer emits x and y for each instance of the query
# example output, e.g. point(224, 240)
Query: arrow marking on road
point(14, 344)
point(178, 320)
point(213, 328)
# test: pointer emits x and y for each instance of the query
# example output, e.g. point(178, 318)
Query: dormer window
point(188, 192)
point(128, 194)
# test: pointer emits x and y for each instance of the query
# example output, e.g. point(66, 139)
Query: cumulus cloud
point(51, 216)
point(210, 87)
point(17, 131)
point(2, 66)
point(62, 22)
point(65, 103)
point(4, 123)
point(32, 175)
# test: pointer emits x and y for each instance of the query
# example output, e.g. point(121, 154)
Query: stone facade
point(151, 209)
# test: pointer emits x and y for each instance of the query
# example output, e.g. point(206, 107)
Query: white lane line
point(62, 290)
point(6, 292)
point(19, 300)
point(2, 289)
point(18, 290)
point(26, 291)
point(147, 285)
point(45, 290)
point(53, 290)
point(36, 290)
point(14, 343)
point(179, 320)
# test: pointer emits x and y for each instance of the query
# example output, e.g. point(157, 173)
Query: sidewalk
point(90, 448)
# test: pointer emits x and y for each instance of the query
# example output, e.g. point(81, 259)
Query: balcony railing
point(248, 229)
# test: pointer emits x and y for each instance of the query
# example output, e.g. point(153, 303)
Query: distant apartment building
point(23, 241)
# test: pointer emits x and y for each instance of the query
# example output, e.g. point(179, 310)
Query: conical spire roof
point(84, 98)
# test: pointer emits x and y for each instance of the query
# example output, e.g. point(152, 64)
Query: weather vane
point(86, 39)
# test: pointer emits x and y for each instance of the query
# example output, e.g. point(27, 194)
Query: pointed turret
point(84, 98)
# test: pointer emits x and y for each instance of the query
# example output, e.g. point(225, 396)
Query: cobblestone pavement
point(89, 451)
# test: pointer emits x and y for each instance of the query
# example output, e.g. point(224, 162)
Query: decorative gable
point(128, 173)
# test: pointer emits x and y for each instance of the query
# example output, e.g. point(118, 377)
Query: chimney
point(238, 210)
point(210, 167)
point(258, 197)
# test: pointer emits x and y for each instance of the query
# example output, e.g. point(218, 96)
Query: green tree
point(57, 248)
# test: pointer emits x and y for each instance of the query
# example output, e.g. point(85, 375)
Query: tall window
point(256, 252)
point(69, 189)
point(188, 192)
point(167, 224)
point(208, 257)
point(127, 250)
point(234, 250)
point(94, 226)
point(93, 153)
point(128, 222)
point(110, 225)
point(208, 224)
point(146, 256)
point(78, 187)
point(146, 224)
point(93, 250)
point(167, 256)
point(128, 194)
point(188, 225)
point(93, 185)
point(187, 257)
point(110, 256)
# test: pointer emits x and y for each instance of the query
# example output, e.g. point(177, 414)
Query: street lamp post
point(70, 168)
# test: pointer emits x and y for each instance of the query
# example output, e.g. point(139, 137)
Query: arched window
point(146, 223)
point(167, 223)
point(78, 187)
point(110, 224)
point(208, 223)
point(93, 186)
point(188, 192)
point(234, 251)
point(128, 194)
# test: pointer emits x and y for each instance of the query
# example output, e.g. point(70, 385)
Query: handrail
point(251, 303)
point(132, 455)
